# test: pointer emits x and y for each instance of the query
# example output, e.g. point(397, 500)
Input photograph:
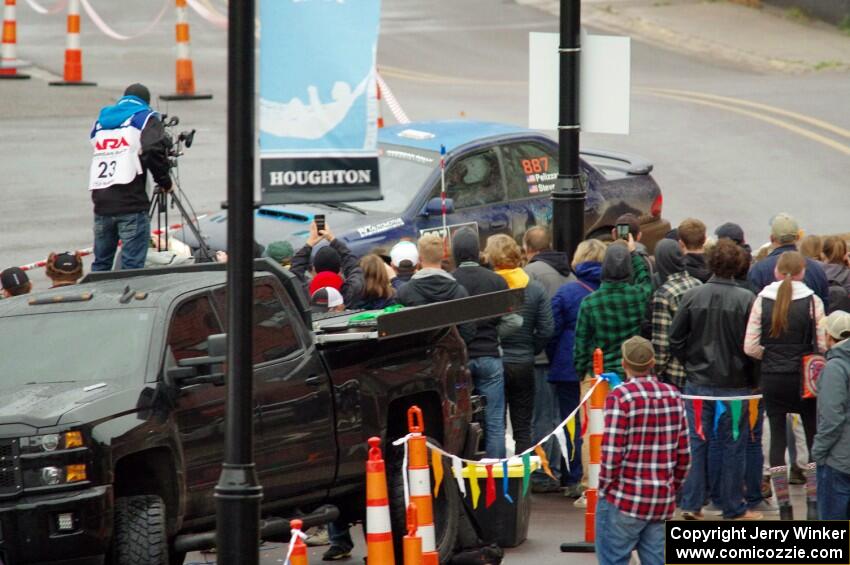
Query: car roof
point(429, 135)
point(158, 289)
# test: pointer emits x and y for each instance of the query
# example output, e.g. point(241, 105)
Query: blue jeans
point(733, 453)
point(339, 534)
point(134, 232)
point(618, 534)
point(755, 461)
point(488, 375)
point(546, 418)
point(568, 398)
point(833, 494)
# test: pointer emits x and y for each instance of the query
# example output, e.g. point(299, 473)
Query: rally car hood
point(44, 405)
point(290, 223)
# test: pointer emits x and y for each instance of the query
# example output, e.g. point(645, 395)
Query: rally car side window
point(193, 323)
point(475, 180)
point(530, 169)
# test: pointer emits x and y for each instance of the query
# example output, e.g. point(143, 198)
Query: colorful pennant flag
point(584, 419)
point(473, 483)
point(719, 409)
point(735, 409)
point(526, 472)
point(457, 470)
point(562, 442)
point(490, 490)
point(437, 466)
point(571, 427)
point(697, 404)
point(506, 482)
point(754, 415)
point(544, 461)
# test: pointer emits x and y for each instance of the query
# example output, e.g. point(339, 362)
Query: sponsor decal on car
point(452, 229)
point(366, 231)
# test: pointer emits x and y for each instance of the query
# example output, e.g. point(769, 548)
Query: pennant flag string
point(472, 469)
point(544, 461)
point(584, 419)
point(571, 427)
point(457, 471)
point(697, 404)
point(718, 398)
point(718, 413)
point(526, 472)
point(506, 483)
point(437, 466)
point(754, 416)
point(562, 442)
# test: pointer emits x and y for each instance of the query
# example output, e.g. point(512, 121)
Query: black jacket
point(477, 280)
point(434, 285)
point(132, 197)
point(707, 334)
point(352, 274)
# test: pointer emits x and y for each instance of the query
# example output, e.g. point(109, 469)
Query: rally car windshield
point(97, 345)
point(403, 171)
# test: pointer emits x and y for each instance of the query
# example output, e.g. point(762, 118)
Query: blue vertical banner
point(318, 105)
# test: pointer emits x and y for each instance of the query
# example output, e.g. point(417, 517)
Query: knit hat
point(638, 353)
point(326, 298)
point(617, 264)
point(732, 231)
point(784, 228)
point(837, 325)
point(327, 259)
point(323, 279)
point(280, 251)
point(66, 267)
point(13, 277)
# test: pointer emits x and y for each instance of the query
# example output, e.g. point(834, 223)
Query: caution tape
point(398, 113)
point(108, 31)
point(208, 13)
point(38, 8)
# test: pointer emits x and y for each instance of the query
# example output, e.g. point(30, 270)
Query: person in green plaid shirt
point(665, 302)
point(613, 314)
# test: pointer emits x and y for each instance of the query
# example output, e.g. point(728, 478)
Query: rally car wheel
point(446, 507)
point(140, 531)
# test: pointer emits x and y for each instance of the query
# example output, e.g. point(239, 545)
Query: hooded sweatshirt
point(696, 267)
point(537, 328)
point(832, 441)
point(132, 197)
point(432, 285)
point(551, 269)
point(477, 280)
point(565, 306)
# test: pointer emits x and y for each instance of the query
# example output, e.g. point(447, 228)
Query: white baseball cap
point(327, 297)
point(404, 251)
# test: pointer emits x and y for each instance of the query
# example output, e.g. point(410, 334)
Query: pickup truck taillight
point(657, 204)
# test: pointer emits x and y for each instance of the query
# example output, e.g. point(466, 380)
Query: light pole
point(569, 195)
point(238, 493)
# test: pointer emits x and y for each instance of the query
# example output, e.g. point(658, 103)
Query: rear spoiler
point(628, 164)
point(418, 319)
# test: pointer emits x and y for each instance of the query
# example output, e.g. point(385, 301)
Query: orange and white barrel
point(595, 431)
point(379, 533)
point(8, 48)
point(419, 480)
point(298, 551)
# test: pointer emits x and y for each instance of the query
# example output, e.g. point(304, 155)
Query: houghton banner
point(318, 101)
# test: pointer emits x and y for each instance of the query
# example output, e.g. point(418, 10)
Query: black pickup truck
point(112, 411)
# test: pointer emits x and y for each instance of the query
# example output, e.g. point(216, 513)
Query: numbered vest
point(116, 158)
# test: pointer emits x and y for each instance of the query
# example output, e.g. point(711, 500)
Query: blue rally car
point(498, 180)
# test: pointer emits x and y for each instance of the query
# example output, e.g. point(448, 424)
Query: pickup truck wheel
point(140, 531)
point(446, 508)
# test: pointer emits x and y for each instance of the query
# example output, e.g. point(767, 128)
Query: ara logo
point(111, 143)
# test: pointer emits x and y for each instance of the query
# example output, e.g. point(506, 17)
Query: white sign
point(605, 87)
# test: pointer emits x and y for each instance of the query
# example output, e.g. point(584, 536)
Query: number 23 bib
point(116, 156)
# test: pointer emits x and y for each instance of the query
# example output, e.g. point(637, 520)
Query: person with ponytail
point(784, 326)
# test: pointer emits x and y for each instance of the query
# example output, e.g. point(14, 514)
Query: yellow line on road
point(418, 76)
point(758, 106)
point(816, 137)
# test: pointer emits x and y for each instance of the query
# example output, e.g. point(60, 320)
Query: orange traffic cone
point(419, 477)
point(412, 543)
point(379, 533)
point(9, 62)
point(185, 70)
point(380, 117)
point(73, 73)
point(298, 551)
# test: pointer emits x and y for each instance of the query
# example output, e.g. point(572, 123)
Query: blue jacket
point(565, 305)
point(761, 274)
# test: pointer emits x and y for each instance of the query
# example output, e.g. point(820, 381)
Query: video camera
point(183, 140)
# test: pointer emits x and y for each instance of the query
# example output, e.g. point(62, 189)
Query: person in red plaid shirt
point(645, 458)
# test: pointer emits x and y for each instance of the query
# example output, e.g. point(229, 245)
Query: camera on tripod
point(183, 140)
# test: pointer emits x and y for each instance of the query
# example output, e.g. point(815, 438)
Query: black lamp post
point(238, 493)
point(569, 195)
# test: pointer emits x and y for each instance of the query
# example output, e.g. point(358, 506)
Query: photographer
point(128, 141)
